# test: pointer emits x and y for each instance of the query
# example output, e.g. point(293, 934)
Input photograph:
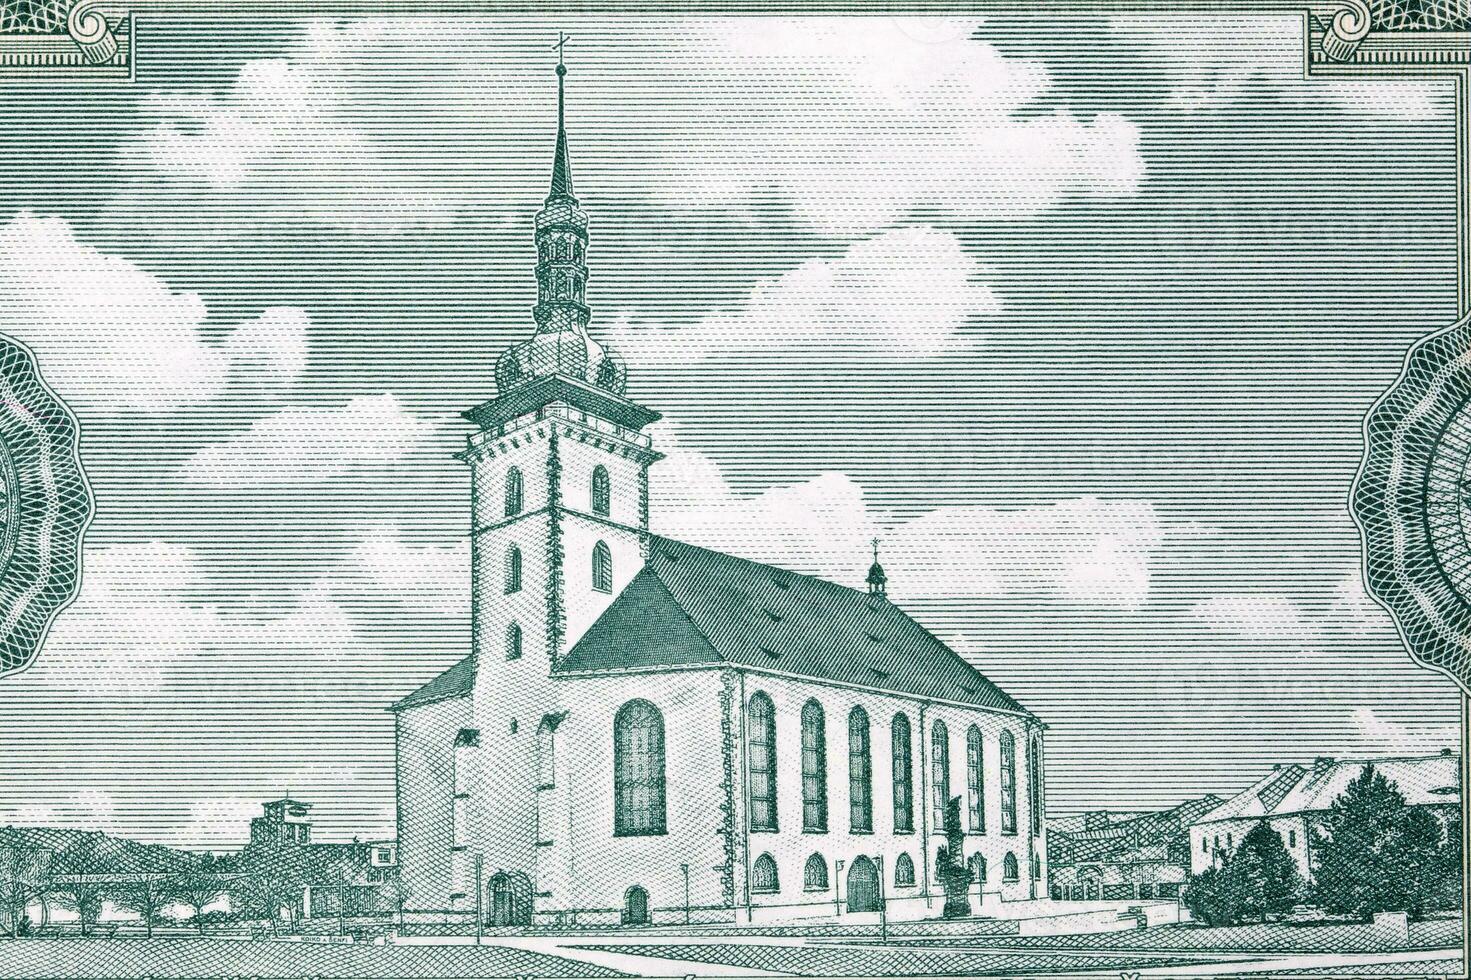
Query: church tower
point(559, 469)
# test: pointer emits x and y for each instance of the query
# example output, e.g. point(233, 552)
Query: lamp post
point(837, 887)
point(883, 901)
point(479, 898)
point(685, 870)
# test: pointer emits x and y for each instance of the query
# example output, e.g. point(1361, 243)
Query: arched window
point(1036, 866)
point(514, 492)
point(1034, 785)
point(814, 874)
point(940, 772)
point(903, 770)
point(763, 876)
point(1008, 783)
point(761, 764)
point(600, 491)
point(602, 568)
point(546, 753)
point(513, 641)
point(638, 770)
point(903, 872)
point(814, 767)
point(860, 772)
point(974, 780)
point(1009, 870)
point(978, 868)
point(513, 570)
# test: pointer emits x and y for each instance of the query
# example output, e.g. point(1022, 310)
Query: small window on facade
point(763, 876)
point(601, 491)
point(904, 872)
point(1205, 846)
point(1292, 838)
point(814, 767)
point(940, 777)
point(513, 641)
point(903, 775)
point(602, 568)
point(978, 869)
point(814, 874)
point(514, 492)
point(1009, 870)
point(1036, 866)
point(513, 570)
point(546, 753)
point(975, 780)
point(1008, 783)
point(761, 764)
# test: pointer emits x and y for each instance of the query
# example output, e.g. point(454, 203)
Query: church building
point(651, 732)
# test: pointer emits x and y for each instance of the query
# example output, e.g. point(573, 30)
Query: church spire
point(561, 165)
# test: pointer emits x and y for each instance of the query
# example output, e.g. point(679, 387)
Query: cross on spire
point(562, 40)
point(561, 164)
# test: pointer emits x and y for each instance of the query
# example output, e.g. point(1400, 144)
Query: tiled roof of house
point(690, 605)
point(452, 683)
point(1423, 781)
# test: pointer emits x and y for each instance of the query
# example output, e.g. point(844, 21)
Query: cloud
point(301, 445)
point(87, 809)
point(905, 293)
point(1216, 61)
point(292, 134)
point(860, 123)
point(1082, 550)
point(383, 567)
point(1255, 616)
point(114, 338)
point(1380, 736)
point(221, 822)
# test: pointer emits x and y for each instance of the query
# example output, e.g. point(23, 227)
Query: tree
point(79, 877)
point(197, 884)
point(23, 874)
point(1208, 899)
point(274, 874)
point(144, 892)
point(1375, 854)
point(1264, 878)
point(950, 864)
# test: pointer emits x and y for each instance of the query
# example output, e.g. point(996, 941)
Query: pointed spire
point(561, 165)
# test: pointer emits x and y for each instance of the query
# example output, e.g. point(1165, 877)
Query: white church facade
point(651, 732)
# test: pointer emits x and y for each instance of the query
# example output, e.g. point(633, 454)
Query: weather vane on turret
point(878, 582)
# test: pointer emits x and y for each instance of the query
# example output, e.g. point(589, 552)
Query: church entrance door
point(510, 900)
point(863, 886)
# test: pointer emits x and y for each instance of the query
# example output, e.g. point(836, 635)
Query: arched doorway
point(863, 886)
point(1089, 879)
point(636, 907)
point(510, 899)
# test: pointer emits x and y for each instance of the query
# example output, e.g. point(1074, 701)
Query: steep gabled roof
point(691, 606)
point(453, 683)
point(1423, 781)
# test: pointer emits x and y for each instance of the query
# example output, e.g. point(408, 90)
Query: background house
point(1122, 855)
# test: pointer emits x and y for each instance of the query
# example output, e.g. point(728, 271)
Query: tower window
point(601, 491)
point(513, 641)
point(602, 568)
point(514, 492)
point(638, 770)
point(513, 570)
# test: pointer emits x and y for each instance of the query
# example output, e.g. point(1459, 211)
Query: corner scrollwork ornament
point(60, 37)
point(1346, 29)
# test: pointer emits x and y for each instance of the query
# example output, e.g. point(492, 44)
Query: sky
point(1079, 317)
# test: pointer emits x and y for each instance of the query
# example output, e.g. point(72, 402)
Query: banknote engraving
point(891, 514)
point(44, 507)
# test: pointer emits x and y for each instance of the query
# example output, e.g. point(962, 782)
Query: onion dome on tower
point(561, 345)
